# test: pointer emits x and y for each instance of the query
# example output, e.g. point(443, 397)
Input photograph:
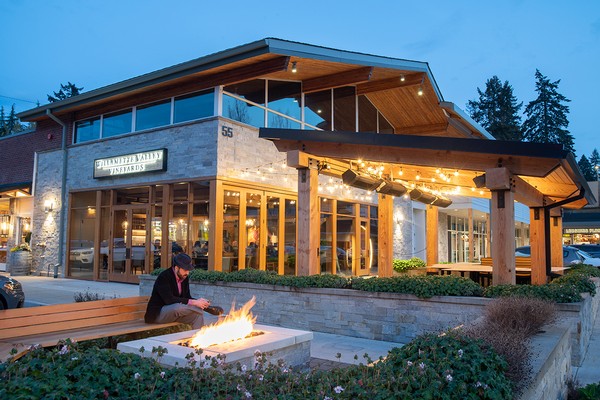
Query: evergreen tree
point(586, 168)
point(3, 131)
point(547, 115)
point(12, 123)
point(66, 91)
point(595, 158)
point(497, 110)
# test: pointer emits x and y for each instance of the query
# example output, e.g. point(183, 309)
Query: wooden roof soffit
point(246, 72)
point(326, 166)
point(339, 79)
point(503, 179)
point(390, 83)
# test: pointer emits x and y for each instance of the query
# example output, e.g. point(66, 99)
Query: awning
point(540, 174)
point(22, 189)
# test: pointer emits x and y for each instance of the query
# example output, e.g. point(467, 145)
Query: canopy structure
point(544, 177)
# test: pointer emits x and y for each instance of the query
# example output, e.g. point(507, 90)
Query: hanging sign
point(127, 164)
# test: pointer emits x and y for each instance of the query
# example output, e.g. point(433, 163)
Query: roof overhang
point(540, 174)
point(21, 189)
point(403, 91)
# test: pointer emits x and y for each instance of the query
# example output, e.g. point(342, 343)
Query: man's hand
point(200, 303)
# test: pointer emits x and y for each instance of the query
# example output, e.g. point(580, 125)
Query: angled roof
point(391, 84)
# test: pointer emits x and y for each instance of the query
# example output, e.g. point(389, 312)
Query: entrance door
point(128, 250)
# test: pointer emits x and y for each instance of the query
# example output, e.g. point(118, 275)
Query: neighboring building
point(173, 158)
point(583, 226)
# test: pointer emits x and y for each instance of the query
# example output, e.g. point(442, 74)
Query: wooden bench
point(21, 328)
point(522, 277)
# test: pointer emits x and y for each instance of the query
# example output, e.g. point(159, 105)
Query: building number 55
point(226, 131)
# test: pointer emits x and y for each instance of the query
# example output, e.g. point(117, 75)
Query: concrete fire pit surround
point(290, 345)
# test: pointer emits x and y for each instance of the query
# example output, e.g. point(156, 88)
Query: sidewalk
point(40, 290)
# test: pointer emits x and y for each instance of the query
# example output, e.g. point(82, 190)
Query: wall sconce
point(48, 206)
point(402, 78)
point(420, 91)
point(294, 69)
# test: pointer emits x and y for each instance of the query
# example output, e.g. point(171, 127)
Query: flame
point(236, 325)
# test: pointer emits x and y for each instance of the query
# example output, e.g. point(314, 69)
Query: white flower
point(63, 350)
point(136, 376)
point(460, 353)
point(338, 389)
point(449, 378)
point(285, 370)
point(248, 395)
point(244, 368)
point(327, 398)
point(260, 377)
point(478, 384)
point(74, 358)
point(162, 374)
point(409, 363)
point(239, 387)
point(422, 365)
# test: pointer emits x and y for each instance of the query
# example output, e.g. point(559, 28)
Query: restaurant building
point(124, 175)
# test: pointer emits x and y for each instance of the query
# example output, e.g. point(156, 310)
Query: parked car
point(591, 249)
point(570, 254)
point(82, 251)
point(589, 259)
point(11, 293)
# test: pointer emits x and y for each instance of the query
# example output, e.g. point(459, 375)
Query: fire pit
point(293, 346)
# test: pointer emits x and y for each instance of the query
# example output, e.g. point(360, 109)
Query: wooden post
point(537, 243)
point(556, 243)
point(471, 235)
point(385, 235)
point(503, 241)
point(431, 234)
point(307, 251)
point(215, 234)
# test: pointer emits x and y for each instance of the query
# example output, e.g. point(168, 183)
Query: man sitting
point(171, 300)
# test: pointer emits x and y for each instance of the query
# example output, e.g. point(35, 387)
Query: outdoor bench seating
point(47, 325)
point(523, 277)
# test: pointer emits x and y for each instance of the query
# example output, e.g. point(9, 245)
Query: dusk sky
point(94, 44)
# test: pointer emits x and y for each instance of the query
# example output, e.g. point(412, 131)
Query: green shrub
point(405, 265)
point(421, 286)
point(452, 368)
point(566, 289)
point(447, 366)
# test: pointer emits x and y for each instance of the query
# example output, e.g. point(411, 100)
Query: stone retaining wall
point(390, 317)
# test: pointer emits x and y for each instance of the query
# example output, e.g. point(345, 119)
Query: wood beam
point(431, 234)
point(537, 243)
point(556, 245)
point(389, 83)
point(434, 158)
point(351, 77)
point(503, 179)
point(503, 237)
point(307, 252)
point(385, 235)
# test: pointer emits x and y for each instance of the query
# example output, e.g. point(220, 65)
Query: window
point(87, 130)
point(194, 106)
point(285, 98)
point(153, 115)
point(317, 110)
point(236, 108)
point(116, 124)
point(344, 118)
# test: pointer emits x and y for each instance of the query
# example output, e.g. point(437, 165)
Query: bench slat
point(96, 332)
point(61, 308)
point(47, 318)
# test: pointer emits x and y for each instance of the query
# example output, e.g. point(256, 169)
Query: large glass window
point(344, 118)
point(231, 220)
point(317, 110)
point(285, 98)
point(236, 108)
point(194, 106)
point(367, 115)
point(116, 124)
point(87, 130)
point(153, 115)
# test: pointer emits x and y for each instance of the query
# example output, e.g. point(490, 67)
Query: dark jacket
point(165, 292)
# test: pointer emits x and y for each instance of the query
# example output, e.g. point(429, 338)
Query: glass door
point(128, 249)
